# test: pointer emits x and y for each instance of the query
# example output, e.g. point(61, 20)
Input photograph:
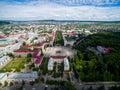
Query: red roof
point(71, 33)
point(39, 59)
point(106, 49)
point(58, 57)
point(21, 51)
point(26, 46)
point(35, 53)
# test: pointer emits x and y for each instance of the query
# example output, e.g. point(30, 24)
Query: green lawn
point(17, 64)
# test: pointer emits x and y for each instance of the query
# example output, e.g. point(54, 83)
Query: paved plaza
point(64, 51)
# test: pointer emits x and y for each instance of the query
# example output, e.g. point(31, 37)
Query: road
point(35, 87)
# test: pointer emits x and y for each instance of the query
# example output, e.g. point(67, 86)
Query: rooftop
point(2, 75)
point(58, 57)
point(21, 51)
point(23, 75)
point(39, 59)
point(35, 53)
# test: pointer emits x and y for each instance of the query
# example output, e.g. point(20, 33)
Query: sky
point(84, 10)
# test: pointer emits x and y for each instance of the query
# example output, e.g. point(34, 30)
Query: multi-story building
point(59, 60)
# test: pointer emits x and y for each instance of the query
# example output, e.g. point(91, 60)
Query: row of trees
point(58, 38)
point(43, 66)
point(103, 88)
point(6, 83)
point(59, 72)
point(61, 85)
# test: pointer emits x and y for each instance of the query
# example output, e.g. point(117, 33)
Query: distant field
point(17, 64)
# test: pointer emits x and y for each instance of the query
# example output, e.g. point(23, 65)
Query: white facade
point(10, 48)
point(100, 49)
point(50, 64)
point(58, 60)
point(66, 65)
point(4, 60)
point(3, 77)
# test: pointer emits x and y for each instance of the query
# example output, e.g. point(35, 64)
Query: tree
point(58, 38)
point(42, 79)
point(114, 88)
point(90, 88)
point(24, 43)
point(91, 64)
point(80, 55)
point(5, 83)
point(32, 83)
point(29, 57)
point(69, 86)
point(41, 52)
point(11, 84)
point(11, 55)
point(20, 88)
point(0, 84)
point(23, 82)
point(37, 80)
point(101, 88)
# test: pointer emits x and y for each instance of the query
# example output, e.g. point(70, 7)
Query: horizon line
point(64, 20)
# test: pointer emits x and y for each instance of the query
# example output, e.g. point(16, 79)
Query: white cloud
point(38, 11)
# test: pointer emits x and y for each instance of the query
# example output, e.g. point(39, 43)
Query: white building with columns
point(58, 59)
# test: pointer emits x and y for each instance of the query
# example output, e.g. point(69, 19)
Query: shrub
point(11, 84)
point(5, 83)
point(32, 83)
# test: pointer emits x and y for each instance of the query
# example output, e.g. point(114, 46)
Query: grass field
point(17, 64)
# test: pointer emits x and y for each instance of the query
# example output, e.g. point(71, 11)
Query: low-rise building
point(35, 54)
point(22, 53)
point(59, 60)
point(22, 76)
point(37, 58)
point(4, 60)
point(38, 61)
point(3, 77)
point(103, 49)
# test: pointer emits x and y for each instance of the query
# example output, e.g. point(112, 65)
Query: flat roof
point(23, 75)
point(21, 51)
point(2, 75)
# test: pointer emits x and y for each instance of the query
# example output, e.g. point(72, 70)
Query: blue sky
point(99, 10)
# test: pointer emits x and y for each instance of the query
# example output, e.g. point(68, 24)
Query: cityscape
point(63, 51)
